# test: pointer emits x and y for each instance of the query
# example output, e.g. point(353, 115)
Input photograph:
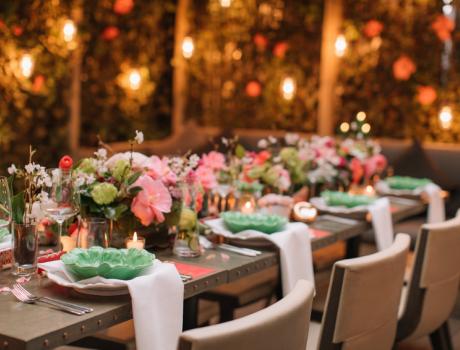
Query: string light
point(27, 65)
point(344, 127)
point(225, 3)
point(361, 116)
point(288, 88)
point(445, 117)
point(366, 128)
point(188, 47)
point(340, 45)
point(69, 30)
point(134, 79)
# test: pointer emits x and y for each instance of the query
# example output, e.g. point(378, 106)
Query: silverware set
point(26, 297)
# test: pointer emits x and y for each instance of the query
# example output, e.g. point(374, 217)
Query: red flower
point(65, 163)
point(262, 157)
point(426, 95)
point(280, 49)
point(357, 170)
point(261, 41)
point(253, 89)
point(403, 68)
point(122, 7)
point(110, 33)
point(17, 30)
point(372, 28)
point(38, 83)
point(443, 26)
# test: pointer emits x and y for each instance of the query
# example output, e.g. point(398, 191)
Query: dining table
point(35, 326)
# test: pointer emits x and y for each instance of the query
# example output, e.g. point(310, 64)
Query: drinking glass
point(93, 232)
point(25, 249)
point(62, 201)
point(5, 207)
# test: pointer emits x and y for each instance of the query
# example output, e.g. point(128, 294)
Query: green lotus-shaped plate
point(406, 182)
point(122, 264)
point(343, 199)
point(237, 222)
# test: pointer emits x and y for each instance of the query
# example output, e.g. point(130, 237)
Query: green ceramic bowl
point(343, 199)
point(122, 264)
point(406, 182)
point(237, 222)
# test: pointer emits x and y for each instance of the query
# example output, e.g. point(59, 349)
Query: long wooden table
point(27, 327)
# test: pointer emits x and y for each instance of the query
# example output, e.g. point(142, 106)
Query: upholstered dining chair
point(361, 310)
point(283, 325)
point(433, 287)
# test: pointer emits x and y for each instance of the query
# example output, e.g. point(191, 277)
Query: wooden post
point(329, 65)
point(180, 69)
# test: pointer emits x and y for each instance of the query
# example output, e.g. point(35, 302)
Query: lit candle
point(340, 45)
point(68, 243)
point(27, 65)
point(135, 242)
point(288, 87)
point(369, 190)
point(304, 211)
point(188, 47)
point(69, 30)
point(248, 207)
point(134, 79)
point(445, 117)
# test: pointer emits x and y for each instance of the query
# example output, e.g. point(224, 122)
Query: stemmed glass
point(5, 205)
point(62, 200)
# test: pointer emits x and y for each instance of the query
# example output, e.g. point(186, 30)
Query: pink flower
point(159, 169)
point(213, 160)
point(152, 202)
point(280, 49)
point(253, 89)
point(110, 33)
point(375, 165)
point(357, 170)
point(122, 7)
point(261, 41)
point(262, 157)
point(206, 177)
point(443, 26)
point(426, 95)
point(403, 68)
point(372, 28)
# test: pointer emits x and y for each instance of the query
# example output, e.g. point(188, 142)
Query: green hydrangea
point(87, 166)
point(121, 169)
point(188, 219)
point(289, 154)
point(271, 176)
point(104, 193)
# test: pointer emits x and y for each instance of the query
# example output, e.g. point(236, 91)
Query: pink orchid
point(375, 165)
point(152, 202)
point(213, 160)
point(206, 176)
point(159, 169)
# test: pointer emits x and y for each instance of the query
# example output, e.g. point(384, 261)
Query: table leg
point(190, 313)
point(353, 247)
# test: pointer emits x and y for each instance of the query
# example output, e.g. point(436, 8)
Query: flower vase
point(25, 249)
point(119, 230)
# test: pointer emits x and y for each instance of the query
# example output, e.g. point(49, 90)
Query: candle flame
point(135, 237)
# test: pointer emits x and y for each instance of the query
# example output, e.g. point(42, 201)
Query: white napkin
point(157, 300)
point(293, 243)
point(436, 209)
point(382, 223)
point(7, 243)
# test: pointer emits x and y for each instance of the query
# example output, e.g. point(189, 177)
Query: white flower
point(101, 153)
point(139, 138)
point(262, 143)
point(291, 138)
point(12, 169)
point(194, 160)
point(30, 168)
point(224, 141)
point(272, 139)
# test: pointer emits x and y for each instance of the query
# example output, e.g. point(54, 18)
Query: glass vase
point(25, 249)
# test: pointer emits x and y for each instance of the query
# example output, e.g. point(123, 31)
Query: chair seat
point(313, 335)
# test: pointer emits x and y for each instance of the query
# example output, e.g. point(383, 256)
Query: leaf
point(132, 179)
point(114, 213)
point(18, 206)
point(135, 190)
point(240, 152)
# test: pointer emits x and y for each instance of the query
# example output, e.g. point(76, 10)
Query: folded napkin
point(436, 209)
point(293, 243)
point(157, 299)
point(382, 223)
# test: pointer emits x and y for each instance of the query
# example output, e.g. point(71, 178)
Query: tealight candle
point(68, 243)
point(369, 190)
point(304, 211)
point(135, 242)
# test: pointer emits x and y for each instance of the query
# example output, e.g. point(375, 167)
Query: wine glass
point(5, 206)
point(61, 200)
point(92, 232)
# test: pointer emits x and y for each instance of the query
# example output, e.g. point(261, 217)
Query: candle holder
point(305, 212)
point(135, 241)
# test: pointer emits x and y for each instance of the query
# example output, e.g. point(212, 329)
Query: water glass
point(93, 232)
point(25, 249)
point(5, 205)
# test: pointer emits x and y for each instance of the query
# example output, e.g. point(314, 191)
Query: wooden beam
point(329, 67)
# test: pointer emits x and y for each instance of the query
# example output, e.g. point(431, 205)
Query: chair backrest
point(362, 303)
point(283, 325)
point(435, 279)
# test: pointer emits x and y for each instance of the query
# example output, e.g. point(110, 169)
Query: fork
point(23, 298)
point(64, 303)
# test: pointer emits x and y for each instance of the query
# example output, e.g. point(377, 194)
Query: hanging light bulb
point(26, 65)
point(69, 30)
point(340, 45)
point(225, 3)
point(134, 79)
point(344, 127)
point(188, 47)
point(288, 88)
point(361, 116)
point(445, 117)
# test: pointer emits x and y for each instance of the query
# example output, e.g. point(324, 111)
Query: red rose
point(280, 49)
point(17, 30)
point(65, 163)
point(38, 83)
point(426, 95)
point(403, 68)
point(261, 41)
point(253, 89)
point(110, 33)
point(122, 7)
point(443, 26)
point(372, 28)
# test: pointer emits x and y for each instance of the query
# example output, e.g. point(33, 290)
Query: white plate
point(103, 292)
point(320, 204)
